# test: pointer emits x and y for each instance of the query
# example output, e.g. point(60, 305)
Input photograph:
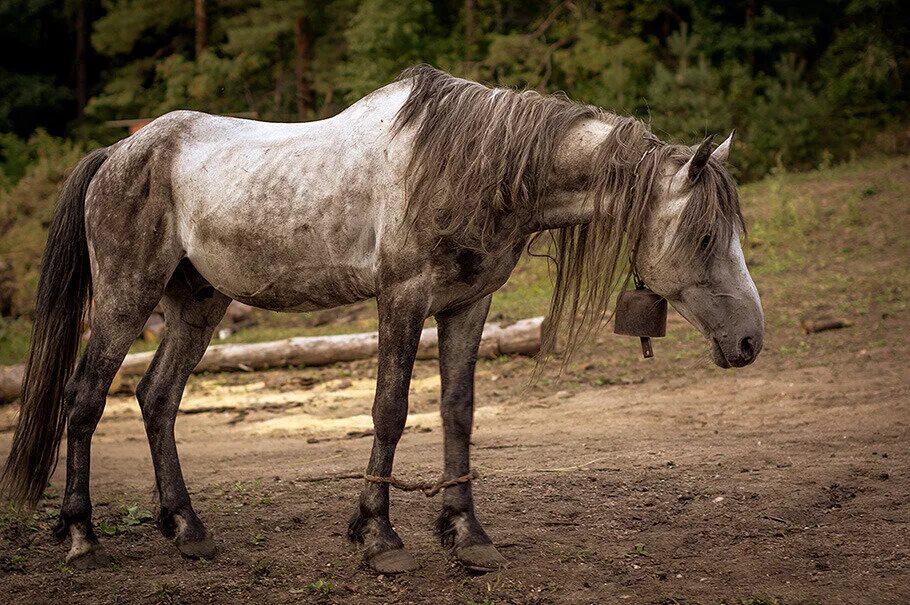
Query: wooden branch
point(521, 337)
point(503, 338)
point(810, 326)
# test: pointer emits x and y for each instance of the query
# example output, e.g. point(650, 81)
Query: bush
point(26, 210)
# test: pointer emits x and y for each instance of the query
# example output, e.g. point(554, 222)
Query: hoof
point(193, 541)
point(392, 562)
point(197, 549)
point(92, 557)
point(480, 557)
point(85, 550)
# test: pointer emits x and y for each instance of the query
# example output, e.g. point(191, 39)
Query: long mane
point(483, 159)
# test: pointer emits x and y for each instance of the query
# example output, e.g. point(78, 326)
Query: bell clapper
point(646, 350)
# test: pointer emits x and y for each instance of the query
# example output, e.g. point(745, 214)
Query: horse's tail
point(64, 291)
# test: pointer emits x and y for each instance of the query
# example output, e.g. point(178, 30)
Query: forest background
point(805, 84)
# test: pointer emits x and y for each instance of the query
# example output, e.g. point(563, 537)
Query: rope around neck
point(429, 488)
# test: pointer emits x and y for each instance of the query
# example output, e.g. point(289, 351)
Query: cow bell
point(641, 312)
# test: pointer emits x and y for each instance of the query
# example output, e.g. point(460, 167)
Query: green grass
point(14, 338)
point(320, 588)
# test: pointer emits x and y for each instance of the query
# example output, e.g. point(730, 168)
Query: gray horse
point(423, 195)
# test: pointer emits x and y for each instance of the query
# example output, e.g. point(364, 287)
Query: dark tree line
point(802, 82)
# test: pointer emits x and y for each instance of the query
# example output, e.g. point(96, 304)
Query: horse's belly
point(293, 254)
point(286, 226)
point(284, 278)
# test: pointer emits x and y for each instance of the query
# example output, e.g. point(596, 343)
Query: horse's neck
point(569, 202)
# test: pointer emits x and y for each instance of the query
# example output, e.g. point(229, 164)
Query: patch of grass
point(133, 516)
point(264, 500)
point(13, 563)
point(580, 555)
point(166, 594)
point(320, 588)
point(106, 528)
point(263, 568)
point(18, 520)
point(638, 551)
point(258, 539)
point(15, 335)
point(137, 516)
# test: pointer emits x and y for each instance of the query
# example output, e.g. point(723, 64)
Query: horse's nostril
point(746, 348)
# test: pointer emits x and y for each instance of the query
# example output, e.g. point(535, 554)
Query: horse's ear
point(723, 150)
point(696, 164)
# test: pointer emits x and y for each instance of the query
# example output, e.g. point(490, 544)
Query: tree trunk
point(81, 58)
point(302, 47)
point(518, 338)
point(201, 28)
point(469, 31)
point(326, 111)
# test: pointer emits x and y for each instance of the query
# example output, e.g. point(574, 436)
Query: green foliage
point(132, 517)
point(783, 125)
point(384, 37)
point(129, 25)
point(805, 84)
point(320, 587)
point(25, 212)
point(688, 101)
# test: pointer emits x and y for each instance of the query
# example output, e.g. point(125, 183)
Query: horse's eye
point(705, 243)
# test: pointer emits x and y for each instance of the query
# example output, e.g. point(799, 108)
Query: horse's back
point(282, 216)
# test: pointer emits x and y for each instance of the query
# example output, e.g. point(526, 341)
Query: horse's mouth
point(717, 354)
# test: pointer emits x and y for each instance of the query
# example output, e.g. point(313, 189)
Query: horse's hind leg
point(191, 313)
point(115, 325)
point(457, 526)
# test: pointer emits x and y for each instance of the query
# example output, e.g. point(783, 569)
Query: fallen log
point(521, 337)
point(501, 338)
point(11, 381)
point(811, 326)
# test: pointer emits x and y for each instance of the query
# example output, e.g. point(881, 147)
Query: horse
point(422, 195)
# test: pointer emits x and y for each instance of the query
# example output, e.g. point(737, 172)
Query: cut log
point(503, 338)
point(519, 338)
point(11, 381)
point(11, 378)
point(811, 326)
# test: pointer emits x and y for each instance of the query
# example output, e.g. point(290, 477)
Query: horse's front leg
point(457, 526)
point(401, 317)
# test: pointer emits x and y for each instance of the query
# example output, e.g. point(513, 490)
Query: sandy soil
point(665, 481)
point(681, 485)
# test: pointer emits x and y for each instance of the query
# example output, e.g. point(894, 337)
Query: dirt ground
point(666, 481)
point(684, 485)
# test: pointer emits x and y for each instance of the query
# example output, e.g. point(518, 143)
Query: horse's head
point(690, 253)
